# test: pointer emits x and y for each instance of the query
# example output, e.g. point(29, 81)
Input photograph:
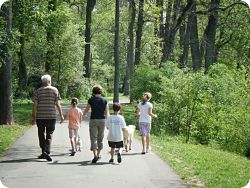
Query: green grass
point(9, 133)
point(198, 165)
point(203, 166)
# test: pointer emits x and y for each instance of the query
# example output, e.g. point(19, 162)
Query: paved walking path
point(20, 168)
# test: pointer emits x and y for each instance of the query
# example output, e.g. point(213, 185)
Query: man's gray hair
point(46, 78)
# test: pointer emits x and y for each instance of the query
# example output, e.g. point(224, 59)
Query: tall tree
point(174, 18)
point(130, 48)
point(184, 43)
point(87, 55)
point(117, 51)
point(210, 33)
point(6, 95)
point(194, 39)
point(171, 29)
point(52, 4)
point(140, 23)
point(20, 16)
point(160, 18)
point(184, 33)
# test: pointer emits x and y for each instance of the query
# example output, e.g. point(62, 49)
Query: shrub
point(205, 108)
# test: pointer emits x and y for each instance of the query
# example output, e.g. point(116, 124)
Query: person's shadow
point(81, 163)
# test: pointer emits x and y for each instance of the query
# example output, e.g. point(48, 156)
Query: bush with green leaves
point(146, 79)
point(202, 108)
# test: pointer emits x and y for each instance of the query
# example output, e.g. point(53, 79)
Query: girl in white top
point(115, 124)
point(144, 111)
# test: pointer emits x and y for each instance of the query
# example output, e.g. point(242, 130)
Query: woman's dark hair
point(116, 107)
point(74, 101)
point(97, 89)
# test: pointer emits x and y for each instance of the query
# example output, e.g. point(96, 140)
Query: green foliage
point(129, 113)
point(202, 166)
point(80, 88)
point(210, 108)
point(207, 109)
point(146, 79)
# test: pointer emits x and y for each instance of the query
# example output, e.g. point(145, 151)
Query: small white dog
point(79, 144)
point(128, 135)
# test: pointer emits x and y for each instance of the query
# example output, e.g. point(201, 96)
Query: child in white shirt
point(115, 124)
point(144, 111)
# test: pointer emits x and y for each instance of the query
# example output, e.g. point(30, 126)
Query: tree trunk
point(87, 55)
point(116, 52)
point(167, 31)
point(170, 31)
point(22, 71)
point(210, 35)
point(59, 69)
point(194, 40)
point(184, 43)
point(130, 49)
point(159, 21)
point(50, 38)
point(139, 32)
point(6, 95)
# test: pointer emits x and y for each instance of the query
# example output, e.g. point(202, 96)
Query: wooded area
point(193, 56)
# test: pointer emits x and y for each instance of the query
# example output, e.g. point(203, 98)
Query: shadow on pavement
point(81, 163)
point(131, 154)
point(23, 160)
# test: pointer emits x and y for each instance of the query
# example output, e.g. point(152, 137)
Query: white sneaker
point(148, 150)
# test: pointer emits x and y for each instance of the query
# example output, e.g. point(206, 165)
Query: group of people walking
point(46, 102)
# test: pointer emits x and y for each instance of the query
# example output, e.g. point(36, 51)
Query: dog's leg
point(130, 143)
point(126, 144)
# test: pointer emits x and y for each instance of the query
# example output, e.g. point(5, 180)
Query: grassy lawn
point(198, 165)
point(203, 166)
point(9, 133)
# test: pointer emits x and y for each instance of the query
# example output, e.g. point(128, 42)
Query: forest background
point(193, 56)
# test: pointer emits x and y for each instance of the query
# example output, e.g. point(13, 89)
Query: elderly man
point(45, 102)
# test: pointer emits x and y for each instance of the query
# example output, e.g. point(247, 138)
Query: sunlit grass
point(203, 166)
point(9, 133)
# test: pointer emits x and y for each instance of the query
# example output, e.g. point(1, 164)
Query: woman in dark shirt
point(99, 111)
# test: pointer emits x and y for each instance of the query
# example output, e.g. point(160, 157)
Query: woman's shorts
point(144, 128)
point(115, 144)
point(73, 133)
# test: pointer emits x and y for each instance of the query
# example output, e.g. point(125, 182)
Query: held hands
point(62, 119)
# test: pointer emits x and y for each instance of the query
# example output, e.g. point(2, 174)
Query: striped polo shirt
point(46, 98)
